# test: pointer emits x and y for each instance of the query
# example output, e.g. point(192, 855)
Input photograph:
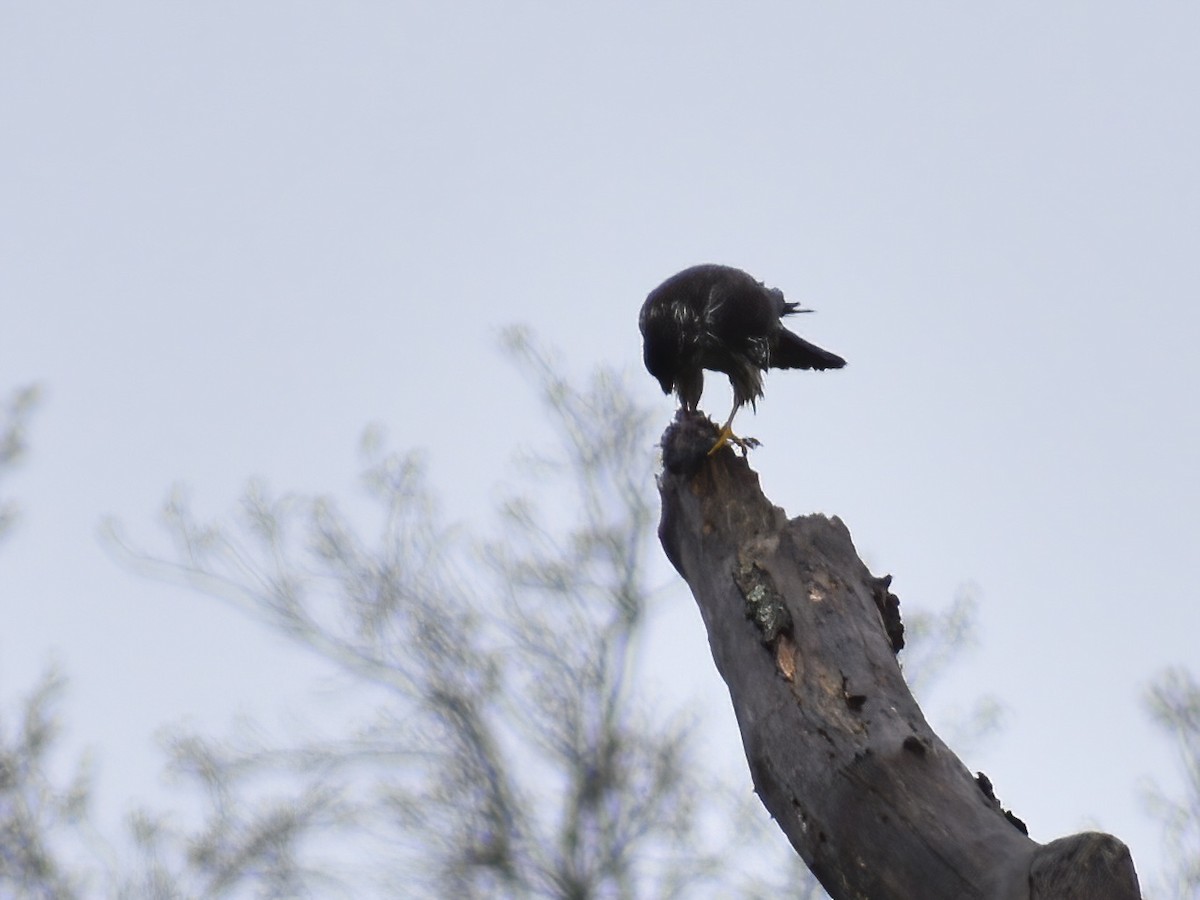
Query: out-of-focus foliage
point(935, 642)
point(511, 751)
point(502, 742)
point(41, 809)
point(14, 421)
point(41, 804)
point(1173, 701)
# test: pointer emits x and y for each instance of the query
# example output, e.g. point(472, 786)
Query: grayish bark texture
point(806, 640)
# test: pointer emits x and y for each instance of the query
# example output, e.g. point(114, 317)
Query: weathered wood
point(1092, 865)
point(840, 754)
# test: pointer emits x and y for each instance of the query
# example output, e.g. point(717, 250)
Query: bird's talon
point(722, 439)
point(726, 436)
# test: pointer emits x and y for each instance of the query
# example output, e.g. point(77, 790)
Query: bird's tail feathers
point(790, 309)
point(794, 352)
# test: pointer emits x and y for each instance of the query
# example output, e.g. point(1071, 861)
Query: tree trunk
point(805, 638)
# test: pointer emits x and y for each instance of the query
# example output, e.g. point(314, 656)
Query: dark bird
point(720, 318)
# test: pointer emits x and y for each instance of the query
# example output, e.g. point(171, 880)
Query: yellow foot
point(728, 437)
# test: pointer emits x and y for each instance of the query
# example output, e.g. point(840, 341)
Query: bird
point(720, 318)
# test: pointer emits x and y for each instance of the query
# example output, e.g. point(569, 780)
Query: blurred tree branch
point(38, 818)
point(512, 752)
point(510, 749)
point(1173, 701)
point(14, 422)
point(934, 642)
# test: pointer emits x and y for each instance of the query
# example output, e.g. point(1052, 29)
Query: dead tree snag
point(806, 640)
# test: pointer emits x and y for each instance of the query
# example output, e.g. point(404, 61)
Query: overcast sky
point(234, 234)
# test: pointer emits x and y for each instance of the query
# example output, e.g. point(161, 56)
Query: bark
point(806, 640)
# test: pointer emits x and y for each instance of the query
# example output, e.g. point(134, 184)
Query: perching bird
point(720, 318)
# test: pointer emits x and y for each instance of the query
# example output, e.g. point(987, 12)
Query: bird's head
point(661, 358)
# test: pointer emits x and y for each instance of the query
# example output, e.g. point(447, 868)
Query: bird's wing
point(740, 312)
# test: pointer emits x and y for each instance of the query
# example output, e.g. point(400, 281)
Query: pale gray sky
point(233, 234)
